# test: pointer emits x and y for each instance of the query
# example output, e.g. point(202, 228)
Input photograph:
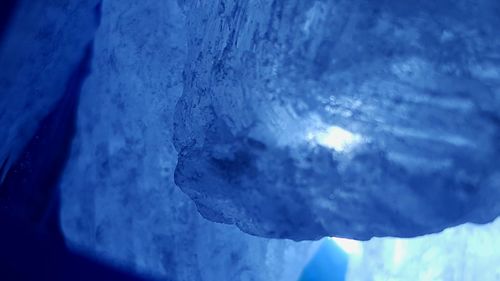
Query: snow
point(43, 44)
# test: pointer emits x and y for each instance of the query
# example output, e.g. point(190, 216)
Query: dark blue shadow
point(328, 264)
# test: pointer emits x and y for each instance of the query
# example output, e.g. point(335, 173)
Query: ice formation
point(290, 119)
point(30, 68)
point(303, 119)
point(119, 201)
point(464, 253)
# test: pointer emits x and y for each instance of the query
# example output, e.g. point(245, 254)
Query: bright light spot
point(399, 252)
point(351, 247)
point(335, 138)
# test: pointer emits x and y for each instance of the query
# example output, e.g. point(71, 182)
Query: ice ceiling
point(292, 119)
point(305, 119)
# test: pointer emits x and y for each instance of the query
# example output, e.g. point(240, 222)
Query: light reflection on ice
point(399, 252)
point(335, 137)
point(353, 248)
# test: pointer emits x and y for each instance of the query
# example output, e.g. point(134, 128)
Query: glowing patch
point(349, 246)
point(399, 252)
point(335, 138)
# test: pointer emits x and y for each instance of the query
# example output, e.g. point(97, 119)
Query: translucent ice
point(463, 253)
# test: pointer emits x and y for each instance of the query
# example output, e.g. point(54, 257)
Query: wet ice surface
point(303, 119)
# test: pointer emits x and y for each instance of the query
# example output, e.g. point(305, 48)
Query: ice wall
point(298, 119)
point(42, 44)
point(464, 253)
point(301, 119)
point(119, 201)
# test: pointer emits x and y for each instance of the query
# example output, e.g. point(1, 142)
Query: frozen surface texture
point(463, 253)
point(296, 119)
point(301, 119)
point(119, 201)
point(42, 45)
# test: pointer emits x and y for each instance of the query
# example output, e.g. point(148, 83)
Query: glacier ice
point(464, 253)
point(29, 189)
point(302, 119)
point(289, 119)
point(43, 43)
point(118, 198)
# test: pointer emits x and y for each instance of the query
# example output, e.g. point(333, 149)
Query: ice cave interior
point(252, 140)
